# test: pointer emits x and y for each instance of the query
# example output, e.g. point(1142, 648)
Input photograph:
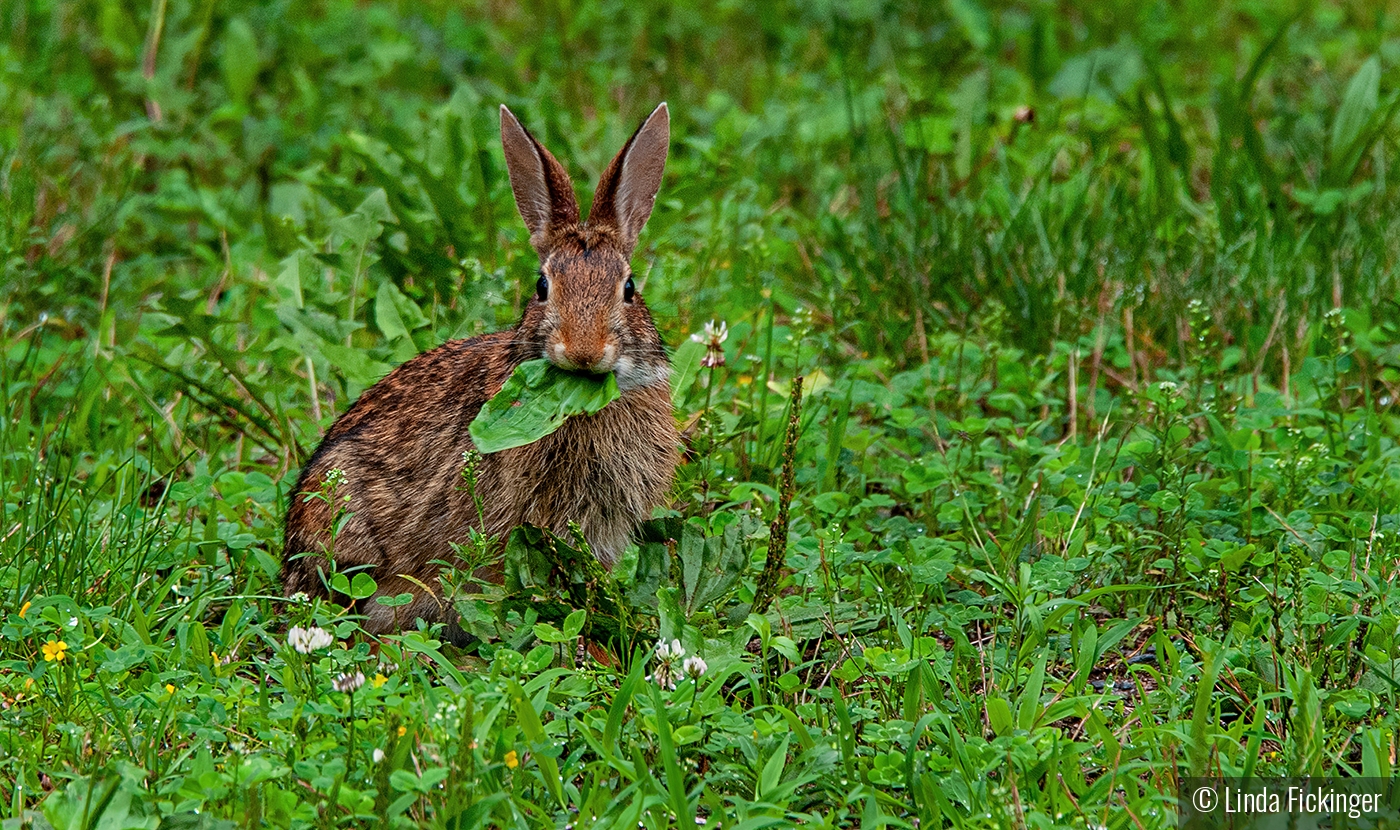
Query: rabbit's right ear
point(627, 190)
point(543, 192)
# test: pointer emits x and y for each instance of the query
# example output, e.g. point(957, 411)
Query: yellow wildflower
point(379, 680)
point(170, 688)
point(23, 608)
point(512, 759)
point(403, 730)
point(55, 651)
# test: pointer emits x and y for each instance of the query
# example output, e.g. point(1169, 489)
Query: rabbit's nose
point(576, 355)
point(585, 356)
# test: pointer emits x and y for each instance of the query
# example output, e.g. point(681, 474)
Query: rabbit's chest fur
point(599, 470)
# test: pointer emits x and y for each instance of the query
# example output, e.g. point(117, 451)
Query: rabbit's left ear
point(627, 189)
point(542, 189)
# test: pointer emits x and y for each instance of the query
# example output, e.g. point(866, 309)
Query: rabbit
point(400, 446)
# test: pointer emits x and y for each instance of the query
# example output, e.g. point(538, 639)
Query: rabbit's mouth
point(598, 362)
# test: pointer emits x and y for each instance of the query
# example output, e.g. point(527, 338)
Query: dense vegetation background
point(1095, 478)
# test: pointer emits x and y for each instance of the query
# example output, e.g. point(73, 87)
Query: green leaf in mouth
point(535, 401)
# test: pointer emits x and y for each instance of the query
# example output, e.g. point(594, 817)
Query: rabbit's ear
point(543, 192)
point(627, 190)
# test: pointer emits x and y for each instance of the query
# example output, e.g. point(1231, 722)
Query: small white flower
point(378, 755)
point(695, 667)
point(348, 682)
point(667, 655)
point(713, 336)
point(713, 333)
point(307, 640)
point(298, 598)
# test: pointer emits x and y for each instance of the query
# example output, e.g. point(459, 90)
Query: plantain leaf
point(239, 62)
point(1362, 98)
point(684, 364)
point(535, 401)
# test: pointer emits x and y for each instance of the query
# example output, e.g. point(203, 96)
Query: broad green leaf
point(288, 280)
point(398, 317)
point(535, 401)
point(239, 61)
point(668, 610)
point(386, 312)
point(1028, 704)
point(711, 565)
point(87, 803)
point(999, 715)
point(573, 623)
point(976, 23)
point(409, 314)
point(772, 773)
point(1360, 100)
point(685, 362)
point(354, 365)
point(548, 633)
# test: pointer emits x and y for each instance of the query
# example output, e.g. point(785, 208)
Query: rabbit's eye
point(542, 288)
point(628, 290)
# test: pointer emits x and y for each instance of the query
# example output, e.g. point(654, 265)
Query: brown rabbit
point(400, 445)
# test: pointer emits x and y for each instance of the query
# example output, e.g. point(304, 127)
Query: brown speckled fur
point(400, 445)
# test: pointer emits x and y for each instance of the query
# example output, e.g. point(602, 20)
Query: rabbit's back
point(400, 449)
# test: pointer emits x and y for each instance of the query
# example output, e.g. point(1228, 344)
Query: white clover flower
point(695, 667)
point(664, 677)
point(667, 655)
point(348, 682)
point(307, 640)
point(713, 336)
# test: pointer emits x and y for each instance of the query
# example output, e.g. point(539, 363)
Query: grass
point(1091, 485)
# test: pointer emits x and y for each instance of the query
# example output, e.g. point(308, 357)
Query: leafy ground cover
point(1091, 484)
